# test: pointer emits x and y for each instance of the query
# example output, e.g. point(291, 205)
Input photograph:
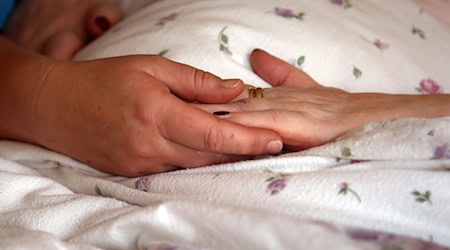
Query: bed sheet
point(381, 186)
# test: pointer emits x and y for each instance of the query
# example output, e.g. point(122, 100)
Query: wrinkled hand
point(59, 28)
point(122, 116)
point(304, 113)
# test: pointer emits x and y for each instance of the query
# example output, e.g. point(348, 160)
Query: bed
point(381, 186)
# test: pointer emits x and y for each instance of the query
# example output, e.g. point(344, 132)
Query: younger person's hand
point(124, 116)
point(59, 28)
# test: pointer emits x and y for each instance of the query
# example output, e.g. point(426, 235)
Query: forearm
point(22, 73)
point(375, 106)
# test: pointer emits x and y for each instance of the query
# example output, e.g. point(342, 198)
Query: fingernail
point(102, 23)
point(256, 50)
point(222, 114)
point(230, 84)
point(274, 147)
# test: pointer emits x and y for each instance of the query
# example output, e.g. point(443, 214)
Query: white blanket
point(382, 186)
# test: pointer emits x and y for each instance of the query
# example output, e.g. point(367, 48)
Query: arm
point(22, 73)
point(306, 114)
point(123, 115)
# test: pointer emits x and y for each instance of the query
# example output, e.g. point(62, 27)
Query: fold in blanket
point(382, 186)
point(363, 200)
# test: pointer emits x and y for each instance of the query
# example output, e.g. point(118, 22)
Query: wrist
point(23, 74)
point(426, 106)
point(378, 106)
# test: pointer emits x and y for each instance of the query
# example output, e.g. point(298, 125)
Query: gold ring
point(251, 92)
point(255, 93)
point(259, 93)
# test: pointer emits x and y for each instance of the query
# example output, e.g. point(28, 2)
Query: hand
point(306, 114)
point(123, 116)
point(59, 28)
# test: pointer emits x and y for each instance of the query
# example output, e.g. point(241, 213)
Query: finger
point(178, 155)
point(278, 72)
point(249, 104)
point(197, 129)
point(193, 84)
point(303, 136)
point(63, 45)
point(274, 98)
point(103, 17)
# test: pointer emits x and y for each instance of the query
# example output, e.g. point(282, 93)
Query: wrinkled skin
point(129, 121)
point(306, 114)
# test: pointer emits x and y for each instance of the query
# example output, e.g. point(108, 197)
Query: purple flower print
point(288, 13)
point(276, 186)
point(429, 86)
point(165, 19)
point(344, 3)
point(387, 241)
point(378, 43)
point(442, 152)
point(381, 45)
point(344, 189)
point(143, 183)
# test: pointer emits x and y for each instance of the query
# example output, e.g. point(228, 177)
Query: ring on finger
point(255, 93)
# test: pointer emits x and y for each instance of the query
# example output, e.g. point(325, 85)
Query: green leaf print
point(301, 60)
point(345, 151)
point(98, 191)
point(347, 4)
point(224, 38)
point(344, 188)
point(223, 42)
point(164, 52)
point(417, 31)
point(300, 16)
point(422, 198)
point(391, 247)
point(357, 72)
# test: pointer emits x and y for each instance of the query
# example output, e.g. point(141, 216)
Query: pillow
point(359, 46)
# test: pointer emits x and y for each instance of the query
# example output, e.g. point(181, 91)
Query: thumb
point(193, 84)
point(278, 72)
point(102, 17)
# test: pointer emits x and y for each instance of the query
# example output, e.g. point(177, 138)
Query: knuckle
point(213, 141)
point(244, 104)
point(201, 78)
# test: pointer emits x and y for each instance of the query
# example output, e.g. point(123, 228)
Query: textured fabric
point(382, 186)
point(367, 190)
point(363, 46)
point(6, 7)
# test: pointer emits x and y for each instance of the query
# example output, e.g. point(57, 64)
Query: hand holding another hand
point(124, 116)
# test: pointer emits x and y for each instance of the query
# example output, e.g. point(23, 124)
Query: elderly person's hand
point(127, 116)
point(306, 114)
point(59, 28)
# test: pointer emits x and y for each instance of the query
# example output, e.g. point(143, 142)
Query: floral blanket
point(382, 186)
